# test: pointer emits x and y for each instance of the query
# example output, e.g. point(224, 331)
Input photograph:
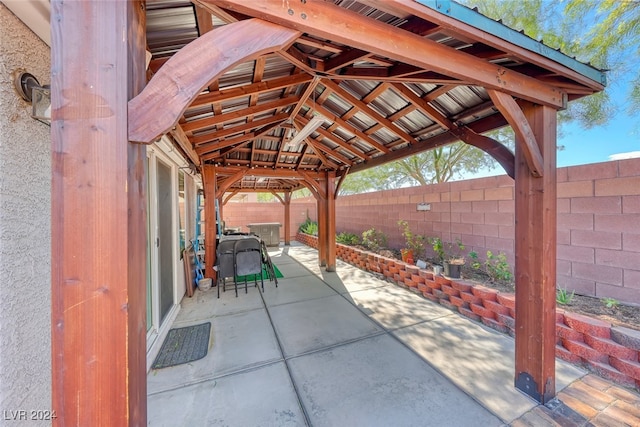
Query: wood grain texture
point(210, 195)
point(512, 112)
point(179, 81)
point(326, 20)
point(535, 267)
point(98, 216)
point(331, 221)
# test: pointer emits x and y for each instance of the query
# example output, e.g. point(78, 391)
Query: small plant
point(309, 227)
point(447, 251)
point(610, 302)
point(498, 268)
point(348, 239)
point(438, 248)
point(475, 261)
point(373, 239)
point(413, 242)
point(563, 297)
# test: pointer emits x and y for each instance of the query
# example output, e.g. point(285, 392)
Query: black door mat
point(183, 345)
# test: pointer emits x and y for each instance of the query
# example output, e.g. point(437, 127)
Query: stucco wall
point(25, 236)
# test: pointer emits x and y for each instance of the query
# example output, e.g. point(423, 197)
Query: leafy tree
point(605, 33)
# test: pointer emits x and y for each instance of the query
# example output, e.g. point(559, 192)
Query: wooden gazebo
point(274, 96)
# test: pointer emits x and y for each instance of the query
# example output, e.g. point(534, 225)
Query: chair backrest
point(248, 256)
point(225, 258)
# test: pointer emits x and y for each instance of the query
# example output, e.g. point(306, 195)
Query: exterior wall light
point(29, 89)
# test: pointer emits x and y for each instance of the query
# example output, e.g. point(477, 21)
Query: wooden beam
point(350, 128)
point(159, 106)
point(250, 89)
point(535, 266)
point(480, 126)
point(464, 30)
point(495, 149)
point(329, 21)
point(229, 181)
point(213, 150)
point(203, 19)
point(330, 213)
point(367, 110)
point(512, 112)
point(210, 136)
point(184, 143)
point(209, 178)
point(98, 216)
point(311, 87)
point(200, 124)
point(287, 218)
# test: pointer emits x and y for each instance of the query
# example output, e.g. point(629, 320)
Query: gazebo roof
point(368, 81)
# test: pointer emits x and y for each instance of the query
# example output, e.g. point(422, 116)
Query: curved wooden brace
point(224, 186)
point(159, 106)
point(502, 154)
point(230, 196)
point(277, 196)
point(312, 183)
point(514, 115)
point(340, 181)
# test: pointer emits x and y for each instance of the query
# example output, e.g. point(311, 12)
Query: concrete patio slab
point(205, 304)
point(379, 382)
point(260, 397)
point(318, 323)
point(479, 360)
point(297, 289)
point(394, 308)
point(238, 341)
point(350, 279)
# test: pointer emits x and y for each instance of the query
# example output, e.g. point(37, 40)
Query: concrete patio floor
point(338, 349)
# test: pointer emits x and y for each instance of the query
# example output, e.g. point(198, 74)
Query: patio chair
point(248, 259)
point(266, 260)
point(225, 266)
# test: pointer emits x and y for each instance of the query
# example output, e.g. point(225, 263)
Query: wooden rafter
point(349, 28)
point(250, 89)
point(207, 137)
point(174, 87)
point(243, 114)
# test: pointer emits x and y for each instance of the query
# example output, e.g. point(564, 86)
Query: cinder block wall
point(598, 221)
point(242, 214)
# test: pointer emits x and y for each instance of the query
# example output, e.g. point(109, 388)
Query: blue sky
point(619, 138)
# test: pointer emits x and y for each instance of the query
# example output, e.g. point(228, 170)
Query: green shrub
point(348, 239)
point(495, 266)
point(309, 227)
point(373, 239)
point(498, 268)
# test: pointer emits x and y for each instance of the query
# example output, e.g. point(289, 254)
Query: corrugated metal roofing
point(361, 97)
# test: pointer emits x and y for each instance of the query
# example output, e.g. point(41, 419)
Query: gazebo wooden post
point(322, 229)
point(98, 216)
point(210, 232)
point(287, 218)
point(535, 268)
point(330, 213)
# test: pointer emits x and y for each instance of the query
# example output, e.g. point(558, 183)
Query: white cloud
point(628, 155)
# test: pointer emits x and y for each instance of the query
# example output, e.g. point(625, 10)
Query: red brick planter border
point(612, 352)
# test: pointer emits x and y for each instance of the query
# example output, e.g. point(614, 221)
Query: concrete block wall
point(242, 214)
point(598, 222)
point(599, 229)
